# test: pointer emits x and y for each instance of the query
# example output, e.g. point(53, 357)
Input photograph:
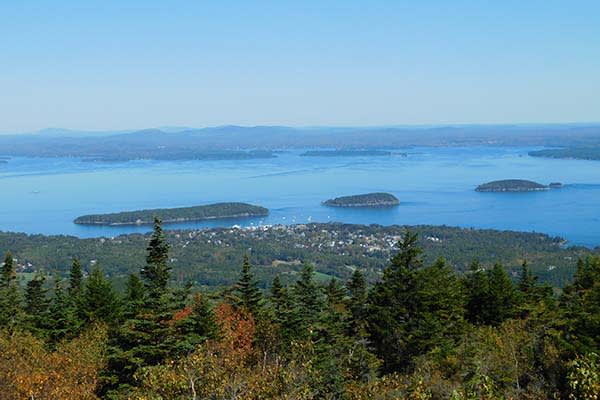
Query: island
point(174, 215)
point(364, 200)
point(575, 153)
point(346, 153)
point(511, 185)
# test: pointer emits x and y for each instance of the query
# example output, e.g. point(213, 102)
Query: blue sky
point(135, 64)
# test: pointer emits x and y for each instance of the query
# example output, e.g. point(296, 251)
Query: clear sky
point(136, 64)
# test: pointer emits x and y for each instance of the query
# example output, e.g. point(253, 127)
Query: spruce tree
point(99, 300)
point(10, 296)
point(194, 325)
point(502, 300)
point(36, 305)
point(134, 296)
point(156, 272)
point(409, 309)
point(75, 279)
point(308, 301)
point(63, 323)
point(335, 292)
point(246, 293)
point(357, 304)
point(476, 284)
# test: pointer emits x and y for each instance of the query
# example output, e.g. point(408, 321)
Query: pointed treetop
point(157, 272)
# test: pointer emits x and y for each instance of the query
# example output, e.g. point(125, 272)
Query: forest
point(420, 331)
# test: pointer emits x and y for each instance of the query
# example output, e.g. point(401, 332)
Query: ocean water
point(434, 185)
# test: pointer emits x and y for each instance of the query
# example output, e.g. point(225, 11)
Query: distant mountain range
point(233, 141)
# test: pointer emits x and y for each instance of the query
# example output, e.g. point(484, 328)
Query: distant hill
point(234, 142)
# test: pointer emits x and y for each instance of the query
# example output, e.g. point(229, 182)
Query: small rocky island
point(174, 215)
point(511, 185)
point(364, 200)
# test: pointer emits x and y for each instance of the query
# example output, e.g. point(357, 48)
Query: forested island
point(364, 200)
point(511, 185)
point(346, 153)
point(418, 330)
point(580, 153)
point(172, 215)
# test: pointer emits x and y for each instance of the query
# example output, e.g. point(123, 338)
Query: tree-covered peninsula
point(364, 200)
point(578, 153)
point(511, 185)
point(171, 215)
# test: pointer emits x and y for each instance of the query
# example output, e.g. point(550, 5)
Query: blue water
point(434, 185)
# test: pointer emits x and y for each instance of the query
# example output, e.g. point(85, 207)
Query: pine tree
point(134, 296)
point(246, 292)
point(477, 289)
point(75, 279)
point(147, 337)
point(357, 304)
point(63, 323)
point(308, 299)
point(527, 281)
point(36, 305)
point(99, 300)
point(194, 325)
point(279, 299)
point(335, 292)
point(10, 296)
point(409, 307)
point(157, 272)
point(502, 301)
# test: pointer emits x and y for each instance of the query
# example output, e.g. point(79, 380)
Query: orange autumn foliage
point(30, 371)
point(237, 332)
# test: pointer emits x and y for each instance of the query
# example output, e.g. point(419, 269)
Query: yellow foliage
point(29, 371)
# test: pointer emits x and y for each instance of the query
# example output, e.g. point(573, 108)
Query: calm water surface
point(434, 185)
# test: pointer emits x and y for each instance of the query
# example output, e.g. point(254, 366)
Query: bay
point(434, 185)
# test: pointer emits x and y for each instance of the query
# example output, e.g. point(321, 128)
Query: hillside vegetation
point(419, 331)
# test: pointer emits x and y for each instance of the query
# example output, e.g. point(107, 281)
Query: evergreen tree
point(335, 292)
point(246, 292)
point(284, 311)
point(492, 297)
point(410, 310)
point(527, 281)
point(134, 296)
point(157, 272)
point(357, 303)
point(63, 322)
point(502, 300)
point(580, 303)
point(10, 296)
point(75, 279)
point(279, 299)
point(477, 289)
point(99, 300)
point(308, 299)
point(36, 305)
point(195, 324)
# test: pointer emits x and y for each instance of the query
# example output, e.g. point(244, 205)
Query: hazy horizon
point(114, 66)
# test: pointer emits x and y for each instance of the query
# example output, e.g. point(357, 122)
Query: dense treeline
point(211, 257)
point(422, 331)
